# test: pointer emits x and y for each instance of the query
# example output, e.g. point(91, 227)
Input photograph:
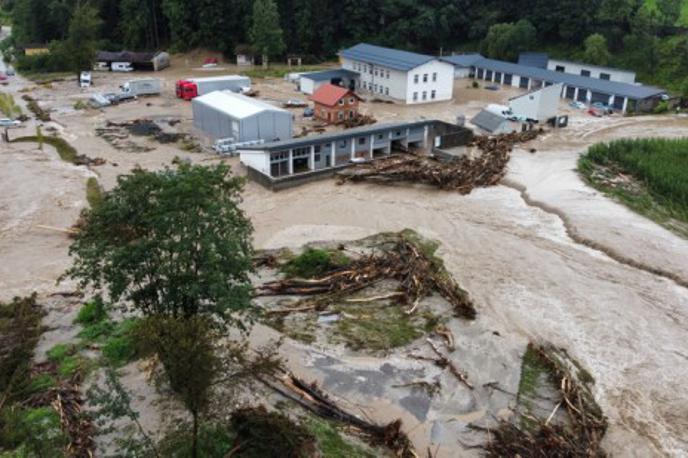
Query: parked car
point(595, 112)
point(210, 62)
point(577, 105)
point(10, 72)
point(603, 107)
point(358, 160)
point(295, 103)
point(7, 122)
point(492, 87)
point(308, 112)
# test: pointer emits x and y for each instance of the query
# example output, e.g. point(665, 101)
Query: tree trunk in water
point(194, 445)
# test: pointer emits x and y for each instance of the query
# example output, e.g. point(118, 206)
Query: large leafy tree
point(80, 46)
point(173, 242)
point(266, 32)
point(596, 51)
point(506, 41)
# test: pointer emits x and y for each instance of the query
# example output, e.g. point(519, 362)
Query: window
point(585, 72)
point(341, 101)
point(351, 114)
point(342, 144)
point(375, 72)
point(432, 94)
point(351, 100)
point(425, 95)
point(387, 74)
point(415, 96)
point(605, 76)
point(361, 140)
point(374, 87)
point(434, 76)
point(560, 69)
point(379, 136)
point(415, 79)
point(425, 77)
point(317, 157)
point(370, 69)
point(340, 115)
point(386, 91)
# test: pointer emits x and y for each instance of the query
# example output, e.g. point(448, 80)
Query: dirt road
point(510, 246)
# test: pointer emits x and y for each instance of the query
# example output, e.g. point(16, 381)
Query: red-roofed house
point(334, 104)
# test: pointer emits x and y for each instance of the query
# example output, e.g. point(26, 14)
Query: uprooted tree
point(176, 246)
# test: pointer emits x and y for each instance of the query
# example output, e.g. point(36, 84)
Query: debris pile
point(580, 436)
point(417, 273)
point(461, 174)
point(118, 135)
point(360, 120)
point(35, 108)
point(68, 403)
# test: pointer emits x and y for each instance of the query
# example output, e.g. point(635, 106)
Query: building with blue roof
point(310, 82)
point(621, 96)
point(399, 75)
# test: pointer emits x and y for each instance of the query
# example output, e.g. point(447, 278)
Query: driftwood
point(443, 361)
point(461, 174)
point(312, 398)
point(68, 403)
point(418, 276)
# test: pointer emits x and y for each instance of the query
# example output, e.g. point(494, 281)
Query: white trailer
point(143, 86)
point(233, 83)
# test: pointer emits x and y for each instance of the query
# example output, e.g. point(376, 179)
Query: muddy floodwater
point(543, 256)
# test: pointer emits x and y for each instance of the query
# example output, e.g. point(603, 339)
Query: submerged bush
point(313, 262)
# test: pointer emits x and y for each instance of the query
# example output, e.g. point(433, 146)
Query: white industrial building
point(539, 105)
point(399, 75)
point(224, 114)
point(592, 71)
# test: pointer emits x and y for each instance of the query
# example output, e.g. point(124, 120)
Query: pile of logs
point(580, 437)
point(68, 403)
point(461, 174)
point(417, 273)
point(358, 121)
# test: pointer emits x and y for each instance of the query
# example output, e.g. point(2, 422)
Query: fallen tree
point(418, 275)
point(461, 174)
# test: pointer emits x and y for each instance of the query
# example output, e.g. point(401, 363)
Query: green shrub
point(59, 352)
point(8, 106)
point(42, 382)
point(92, 311)
point(214, 441)
point(32, 432)
point(475, 85)
point(662, 107)
point(120, 347)
point(313, 262)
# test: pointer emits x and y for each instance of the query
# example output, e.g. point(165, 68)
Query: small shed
point(310, 82)
point(334, 104)
point(492, 123)
point(224, 114)
point(35, 49)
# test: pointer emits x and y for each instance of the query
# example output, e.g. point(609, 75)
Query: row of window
point(603, 76)
point(416, 78)
point(424, 95)
point(351, 101)
point(367, 68)
point(374, 87)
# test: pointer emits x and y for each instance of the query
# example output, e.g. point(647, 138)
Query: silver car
point(7, 122)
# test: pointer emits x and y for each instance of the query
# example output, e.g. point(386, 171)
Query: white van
point(122, 67)
point(85, 79)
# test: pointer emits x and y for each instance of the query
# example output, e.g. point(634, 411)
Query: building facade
point(334, 104)
point(399, 75)
point(592, 71)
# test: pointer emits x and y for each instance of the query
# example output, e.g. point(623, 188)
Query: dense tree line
point(643, 34)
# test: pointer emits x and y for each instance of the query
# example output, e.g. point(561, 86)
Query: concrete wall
point(540, 105)
point(257, 160)
point(623, 76)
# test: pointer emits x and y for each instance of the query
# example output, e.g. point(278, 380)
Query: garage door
point(498, 77)
point(488, 75)
point(508, 78)
point(618, 103)
point(524, 82)
point(582, 95)
point(599, 97)
point(570, 92)
point(480, 73)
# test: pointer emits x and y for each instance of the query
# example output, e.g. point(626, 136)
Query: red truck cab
point(186, 90)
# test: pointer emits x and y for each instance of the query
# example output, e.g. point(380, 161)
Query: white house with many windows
point(399, 75)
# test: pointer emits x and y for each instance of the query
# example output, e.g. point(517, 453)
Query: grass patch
point(8, 106)
point(278, 71)
point(301, 328)
point(314, 262)
point(94, 193)
point(32, 432)
point(533, 368)
point(650, 176)
point(42, 382)
point(332, 445)
point(68, 361)
point(91, 312)
point(65, 150)
point(46, 77)
point(120, 347)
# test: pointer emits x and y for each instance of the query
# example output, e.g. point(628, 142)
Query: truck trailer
point(143, 86)
point(187, 89)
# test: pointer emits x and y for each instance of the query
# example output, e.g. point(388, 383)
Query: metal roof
point(533, 59)
point(488, 121)
point(632, 91)
point(326, 75)
point(386, 57)
point(338, 135)
point(236, 105)
point(463, 60)
point(329, 94)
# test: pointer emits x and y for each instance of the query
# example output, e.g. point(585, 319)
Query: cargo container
point(187, 89)
point(143, 86)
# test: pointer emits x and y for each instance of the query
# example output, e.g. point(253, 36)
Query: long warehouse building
point(224, 114)
point(619, 95)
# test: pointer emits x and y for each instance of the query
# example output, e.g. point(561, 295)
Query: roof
point(337, 135)
point(488, 121)
point(326, 75)
point(329, 94)
point(386, 57)
point(125, 56)
point(583, 64)
point(534, 59)
point(237, 105)
point(632, 91)
point(463, 60)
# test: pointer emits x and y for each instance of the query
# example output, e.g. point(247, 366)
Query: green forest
point(648, 36)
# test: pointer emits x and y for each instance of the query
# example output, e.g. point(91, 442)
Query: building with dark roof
point(398, 75)
point(311, 81)
point(144, 61)
point(492, 123)
point(463, 63)
point(619, 95)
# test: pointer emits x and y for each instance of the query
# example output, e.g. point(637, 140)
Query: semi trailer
point(189, 88)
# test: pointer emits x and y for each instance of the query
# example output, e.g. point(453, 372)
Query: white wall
point(393, 87)
point(259, 160)
point(623, 76)
point(306, 86)
point(461, 72)
point(540, 105)
point(443, 87)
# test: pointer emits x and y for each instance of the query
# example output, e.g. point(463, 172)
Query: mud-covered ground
point(543, 256)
